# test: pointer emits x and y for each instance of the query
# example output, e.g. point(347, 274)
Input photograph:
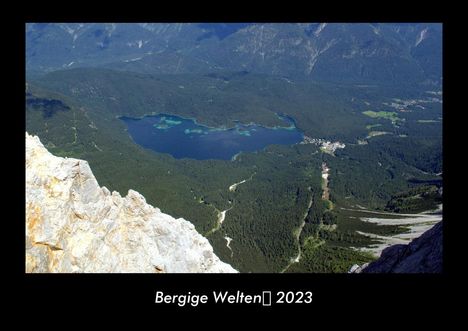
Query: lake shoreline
point(183, 137)
point(223, 127)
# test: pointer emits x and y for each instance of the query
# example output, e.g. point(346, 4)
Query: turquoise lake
point(185, 138)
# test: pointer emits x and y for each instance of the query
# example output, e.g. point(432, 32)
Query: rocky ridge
point(74, 225)
point(422, 255)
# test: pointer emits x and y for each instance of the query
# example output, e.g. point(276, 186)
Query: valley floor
point(297, 258)
point(416, 224)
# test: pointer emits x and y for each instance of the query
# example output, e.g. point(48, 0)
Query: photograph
point(233, 147)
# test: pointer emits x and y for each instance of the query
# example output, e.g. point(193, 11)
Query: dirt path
point(219, 221)
point(228, 243)
point(233, 187)
point(325, 188)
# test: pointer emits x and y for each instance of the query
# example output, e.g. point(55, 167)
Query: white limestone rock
point(73, 225)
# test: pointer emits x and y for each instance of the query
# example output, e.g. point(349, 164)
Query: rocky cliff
point(422, 255)
point(74, 225)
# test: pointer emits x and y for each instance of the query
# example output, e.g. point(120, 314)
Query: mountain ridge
point(335, 52)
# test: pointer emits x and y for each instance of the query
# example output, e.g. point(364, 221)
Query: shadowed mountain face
point(346, 53)
point(422, 255)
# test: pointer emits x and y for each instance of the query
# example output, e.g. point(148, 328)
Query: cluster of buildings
point(326, 145)
point(402, 105)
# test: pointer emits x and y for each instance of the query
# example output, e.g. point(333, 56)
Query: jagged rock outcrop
point(73, 225)
point(422, 255)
